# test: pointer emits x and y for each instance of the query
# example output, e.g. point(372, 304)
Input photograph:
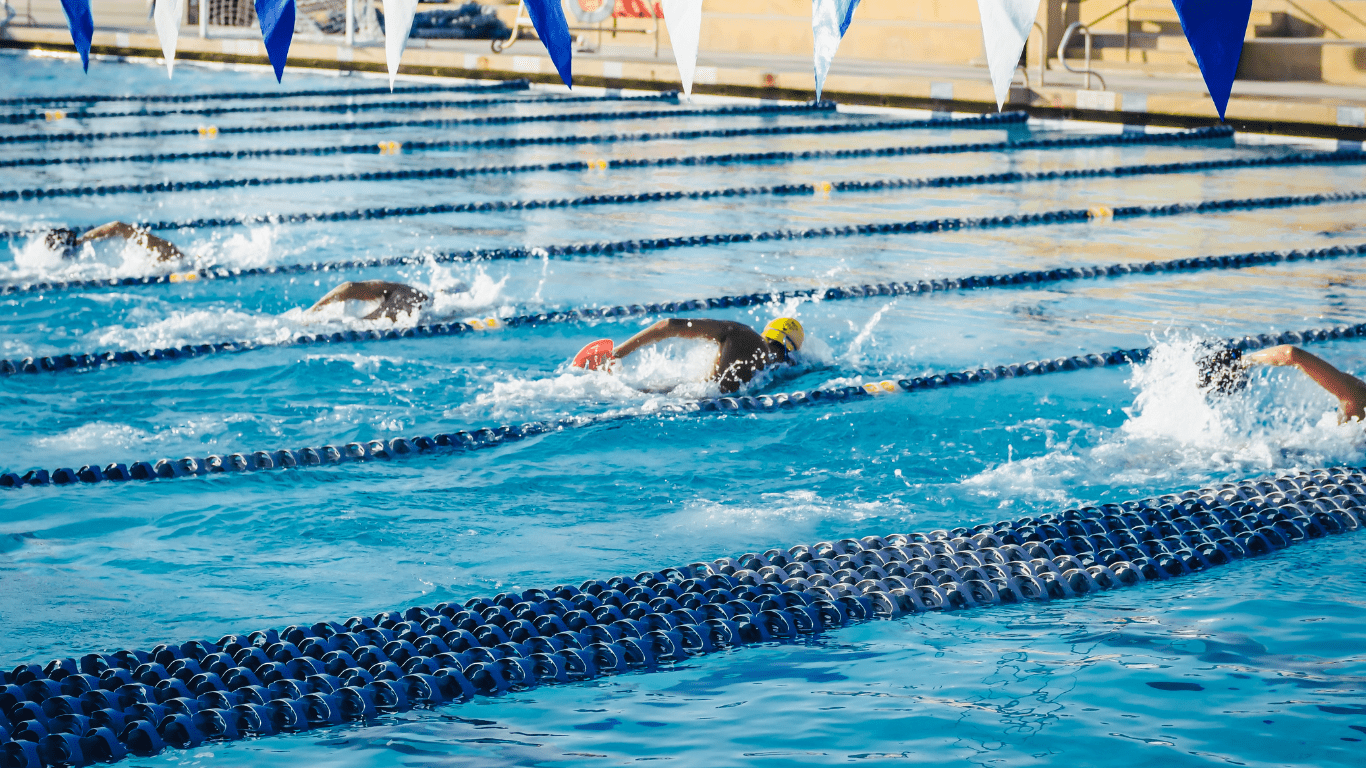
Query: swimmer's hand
point(1284, 354)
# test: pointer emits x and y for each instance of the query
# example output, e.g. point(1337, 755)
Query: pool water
point(1255, 663)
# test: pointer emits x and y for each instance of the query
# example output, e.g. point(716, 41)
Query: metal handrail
point(1062, 48)
point(1128, 23)
point(1043, 53)
point(10, 13)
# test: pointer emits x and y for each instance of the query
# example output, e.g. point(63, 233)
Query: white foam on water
point(152, 328)
point(97, 435)
point(785, 517)
point(659, 374)
point(1176, 435)
point(259, 245)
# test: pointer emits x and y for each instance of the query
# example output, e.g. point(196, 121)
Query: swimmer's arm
point(677, 328)
point(105, 231)
point(163, 248)
point(365, 290)
point(1348, 389)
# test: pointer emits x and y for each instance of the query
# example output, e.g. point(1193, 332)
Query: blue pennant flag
point(277, 29)
point(1215, 29)
point(82, 26)
point(548, 18)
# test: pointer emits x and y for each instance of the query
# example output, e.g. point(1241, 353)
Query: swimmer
point(392, 298)
point(1348, 389)
point(742, 352)
point(66, 241)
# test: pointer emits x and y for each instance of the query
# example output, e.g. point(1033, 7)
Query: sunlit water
point(1256, 663)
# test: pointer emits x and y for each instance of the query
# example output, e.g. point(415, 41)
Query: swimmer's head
point(786, 332)
point(1222, 372)
point(62, 241)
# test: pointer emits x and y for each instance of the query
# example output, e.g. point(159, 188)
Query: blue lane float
point(645, 245)
point(1344, 157)
point(80, 361)
point(272, 95)
point(465, 441)
point(104, 707)
point(554, 117)
point(1119, 139)
point(367, 106)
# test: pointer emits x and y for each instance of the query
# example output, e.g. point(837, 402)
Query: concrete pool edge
point(1278, 116)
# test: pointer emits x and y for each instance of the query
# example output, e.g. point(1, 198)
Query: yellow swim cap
point(787, 332)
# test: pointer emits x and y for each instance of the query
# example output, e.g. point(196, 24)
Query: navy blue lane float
point(104, 707)
point(1199, 135)
point(554, 117)
point(462, 441)
point(1344, 157)
point(275, 95)
point(1034, 278)
point(647, 245)
point(551, 99)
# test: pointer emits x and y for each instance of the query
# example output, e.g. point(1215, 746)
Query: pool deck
point(1133, 98)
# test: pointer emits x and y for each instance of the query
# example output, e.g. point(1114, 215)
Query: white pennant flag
point(398, 23)
point(167, 14)
point(829, 21)
point(1005, 28)
point(684, 21)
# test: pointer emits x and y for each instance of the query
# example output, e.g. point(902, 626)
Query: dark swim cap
point(1222, 372)
point(63, 241)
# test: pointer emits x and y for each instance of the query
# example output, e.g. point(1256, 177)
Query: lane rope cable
point(551, 117)
point(1343, 157)
point(463, 441)
point(107, 706)
point(1118, 139)
point(612, 248)
point(367, 106)
point(1038, 278)
point(508, 85)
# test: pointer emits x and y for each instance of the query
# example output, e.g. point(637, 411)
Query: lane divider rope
point(82, 361)
point(136, 702)
point(612, 248)
point(507, 85)
point(552, 117)
point(367, 106)
point(1344, 157)
point(1119, 139)
point(462, 441)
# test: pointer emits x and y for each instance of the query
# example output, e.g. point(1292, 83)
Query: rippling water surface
point(1256, 663)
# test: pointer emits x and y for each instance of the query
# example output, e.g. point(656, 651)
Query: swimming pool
point(1270, 644)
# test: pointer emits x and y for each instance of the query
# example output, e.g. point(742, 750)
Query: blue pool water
point(1267, 652)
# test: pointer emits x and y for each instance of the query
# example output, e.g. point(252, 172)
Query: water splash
point(1174, 435)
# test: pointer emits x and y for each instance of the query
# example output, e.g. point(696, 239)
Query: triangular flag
point(398, 24)
point(168, 14)
point(277, 29)
point(1215, 30)
point(683, 18)
point(82, 26)
point(829, 21)
point(548, 18)
point(1005, 28)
